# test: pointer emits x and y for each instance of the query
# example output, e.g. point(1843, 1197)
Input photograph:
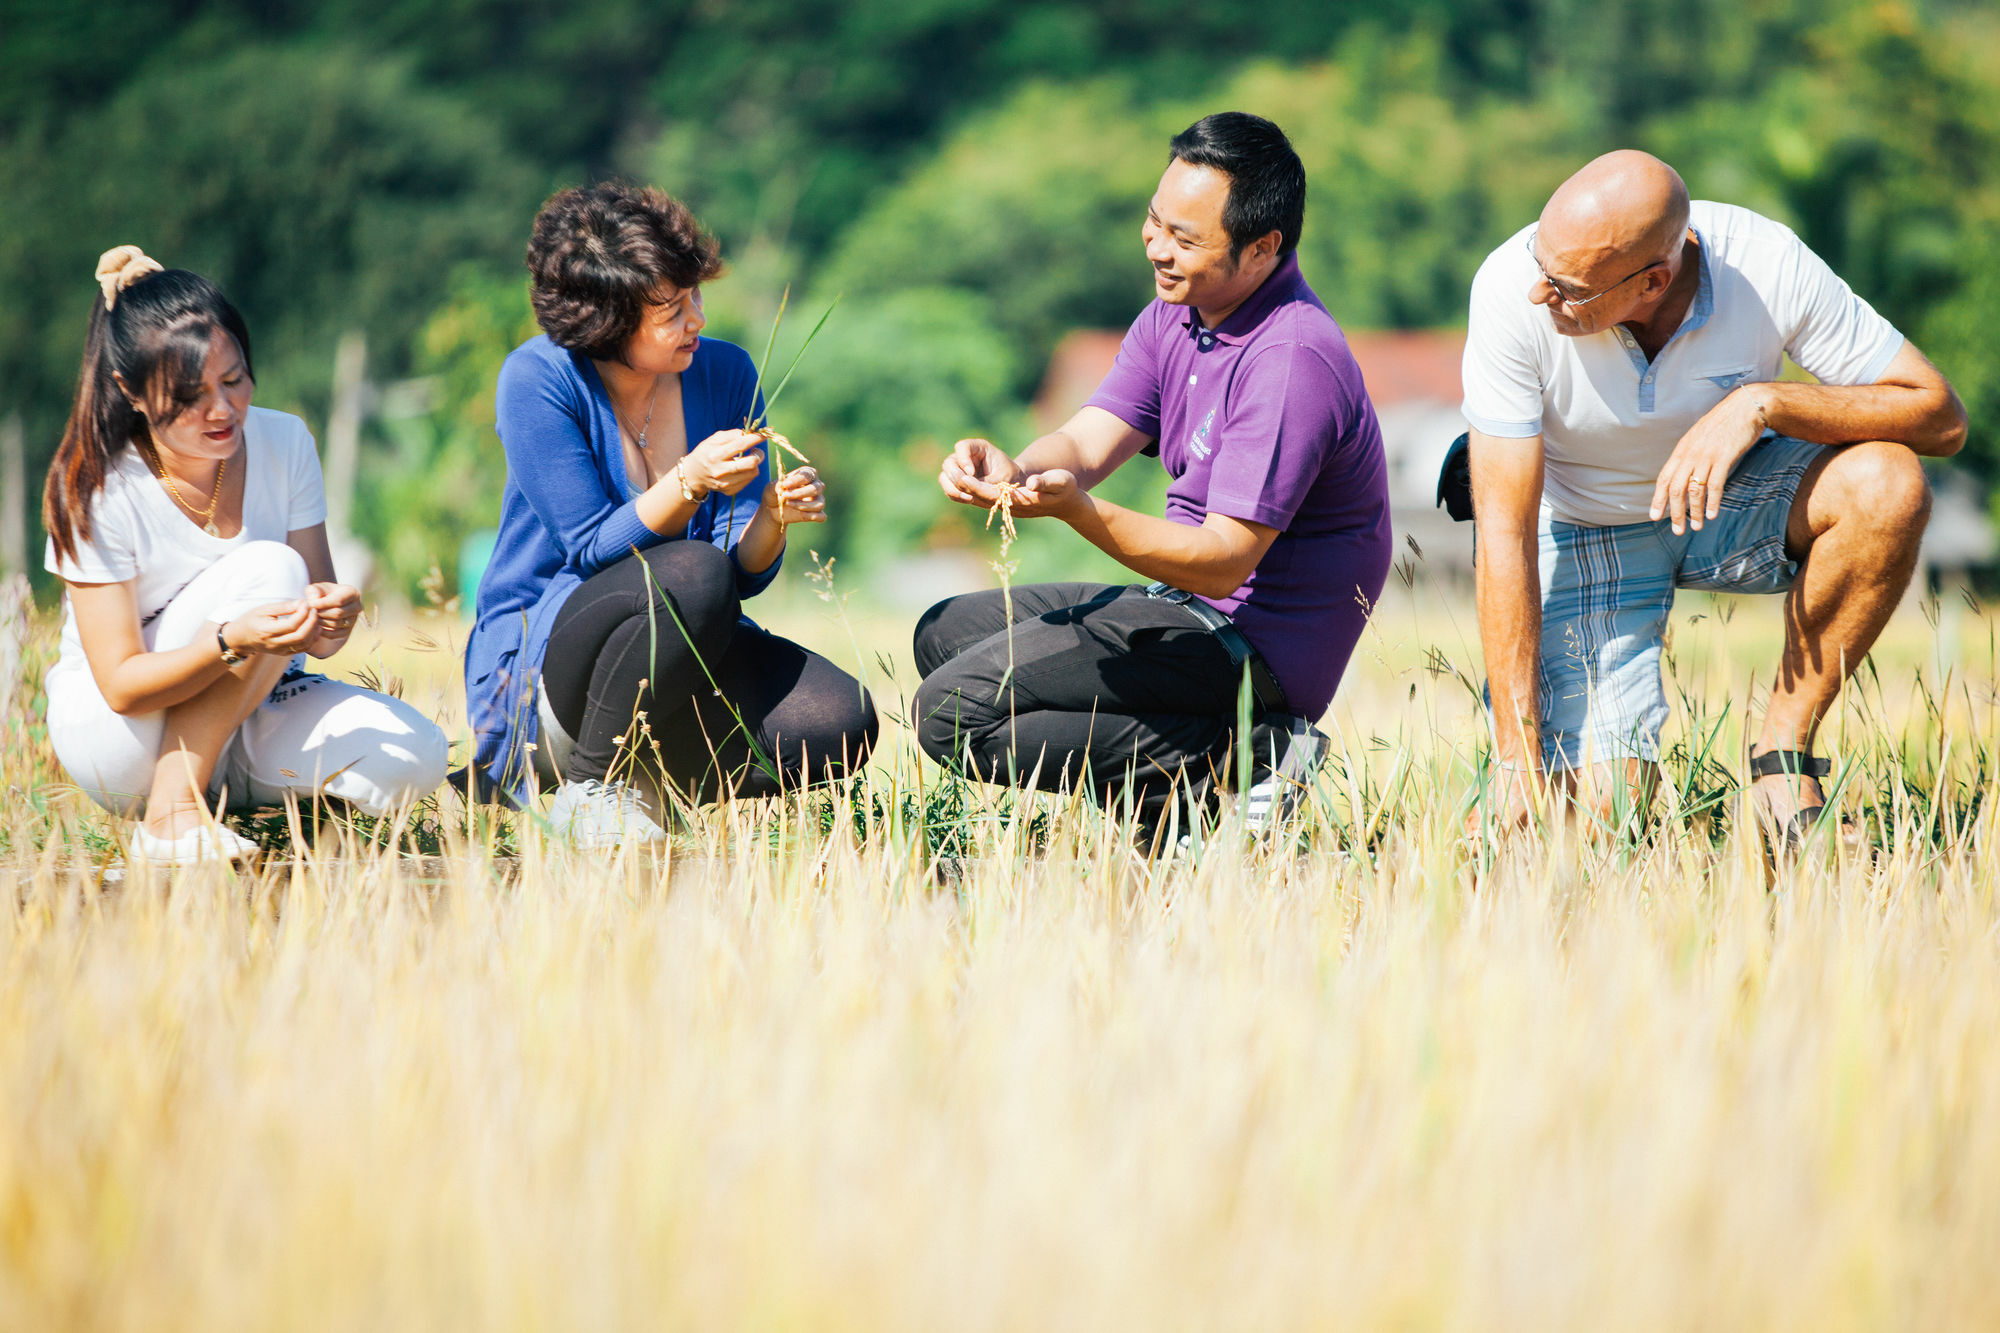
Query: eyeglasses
point(1563, 292)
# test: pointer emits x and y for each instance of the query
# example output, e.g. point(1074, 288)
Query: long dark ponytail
point(154, 336)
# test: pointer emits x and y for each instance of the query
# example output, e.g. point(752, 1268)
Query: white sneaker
point(603, 815)
point(1287, 752)
point(203, 842)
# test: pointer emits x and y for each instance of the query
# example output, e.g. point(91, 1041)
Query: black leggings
point(658, 638)
point(1093, 680)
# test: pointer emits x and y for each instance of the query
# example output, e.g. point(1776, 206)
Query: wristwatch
point(230, 657)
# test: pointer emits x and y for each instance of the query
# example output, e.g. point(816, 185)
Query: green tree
point(1884, 154)
point(972, 173)
point(1036, 206)
point(428, 481)
point(893, 382)
point(1408, 188)
point(320, 188)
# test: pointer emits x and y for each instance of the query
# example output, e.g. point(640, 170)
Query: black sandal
point(1798, 764)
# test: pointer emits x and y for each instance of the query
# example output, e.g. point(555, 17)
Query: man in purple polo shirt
point(1274, 546)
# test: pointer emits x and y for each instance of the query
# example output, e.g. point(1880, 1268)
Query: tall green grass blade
point(750, 414)
point(795, 359)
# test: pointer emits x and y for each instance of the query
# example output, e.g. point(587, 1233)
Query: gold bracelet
point(681, 477)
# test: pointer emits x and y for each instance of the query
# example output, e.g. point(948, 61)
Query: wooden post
point(15, 602)
point(343, 432)
point(13, 497)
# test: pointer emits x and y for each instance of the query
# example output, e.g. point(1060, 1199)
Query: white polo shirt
point(1609, 420)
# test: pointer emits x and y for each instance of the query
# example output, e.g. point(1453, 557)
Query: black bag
point(1455, 480)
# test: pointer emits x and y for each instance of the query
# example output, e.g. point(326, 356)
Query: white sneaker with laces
point(203, 842)
point(603, 815)
point(1286, 752)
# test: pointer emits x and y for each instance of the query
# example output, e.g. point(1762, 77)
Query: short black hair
point(1267, 182)
point(597, 255)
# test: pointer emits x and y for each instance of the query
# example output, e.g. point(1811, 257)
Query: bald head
point(1624, 208)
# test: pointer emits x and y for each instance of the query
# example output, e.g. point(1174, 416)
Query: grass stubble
point(917, 1056)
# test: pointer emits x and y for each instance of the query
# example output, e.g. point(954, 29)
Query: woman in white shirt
point(190, 531)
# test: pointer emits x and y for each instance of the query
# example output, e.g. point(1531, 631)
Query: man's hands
point(799, 496)
point(1054, 493)
point(1909, 404)
point(976, 471)
point(1690, 487)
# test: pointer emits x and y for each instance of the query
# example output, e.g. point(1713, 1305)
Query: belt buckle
point(1167, 592)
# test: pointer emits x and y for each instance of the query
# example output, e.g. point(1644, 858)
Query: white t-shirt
point(1608, 419)
point(138, 532)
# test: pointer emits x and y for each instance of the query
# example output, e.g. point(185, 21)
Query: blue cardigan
point(567, 513)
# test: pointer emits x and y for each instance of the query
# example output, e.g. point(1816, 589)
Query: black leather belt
point(1264, 687)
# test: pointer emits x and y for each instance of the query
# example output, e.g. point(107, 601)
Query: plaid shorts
point(1606, 592)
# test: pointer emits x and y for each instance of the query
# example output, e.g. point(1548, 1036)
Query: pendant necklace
point(207, 516)
point(646, 425)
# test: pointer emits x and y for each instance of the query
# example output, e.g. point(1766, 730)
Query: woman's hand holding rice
point(726, 461)
point(798, 496)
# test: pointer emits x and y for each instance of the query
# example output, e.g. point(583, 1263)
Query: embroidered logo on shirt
point(1198, 446)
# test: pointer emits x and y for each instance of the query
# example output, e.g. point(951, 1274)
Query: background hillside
point(968, 174)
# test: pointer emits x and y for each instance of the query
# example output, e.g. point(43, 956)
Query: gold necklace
point(207, 515)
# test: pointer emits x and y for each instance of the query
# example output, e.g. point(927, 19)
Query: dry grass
point(798, 1078)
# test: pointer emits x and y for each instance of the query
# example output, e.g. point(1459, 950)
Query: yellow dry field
point(807, 1074)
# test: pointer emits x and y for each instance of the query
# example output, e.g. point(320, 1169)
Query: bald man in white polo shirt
point(1630, 435)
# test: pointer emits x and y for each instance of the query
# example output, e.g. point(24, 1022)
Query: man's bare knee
point(1884, 485)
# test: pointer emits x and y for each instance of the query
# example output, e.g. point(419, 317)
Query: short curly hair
point(597, 255)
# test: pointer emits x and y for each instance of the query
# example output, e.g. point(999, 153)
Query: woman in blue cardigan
point(610, 646)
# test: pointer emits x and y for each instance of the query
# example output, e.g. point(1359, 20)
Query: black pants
point(1105, 681)
point(652, 638)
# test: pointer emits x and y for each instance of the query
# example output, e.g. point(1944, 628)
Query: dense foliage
point(969, 174)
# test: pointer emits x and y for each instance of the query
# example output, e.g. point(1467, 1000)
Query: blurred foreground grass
point(804, 1074)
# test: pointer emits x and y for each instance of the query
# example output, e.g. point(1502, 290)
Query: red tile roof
point(1418, 365)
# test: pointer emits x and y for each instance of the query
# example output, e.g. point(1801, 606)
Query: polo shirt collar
point(1697, 315)
point(1281, 285)
point(1704, 292)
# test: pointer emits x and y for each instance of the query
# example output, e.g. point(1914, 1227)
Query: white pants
point(311, 736)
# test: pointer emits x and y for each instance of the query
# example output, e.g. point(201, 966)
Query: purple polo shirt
point(1266, 419)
